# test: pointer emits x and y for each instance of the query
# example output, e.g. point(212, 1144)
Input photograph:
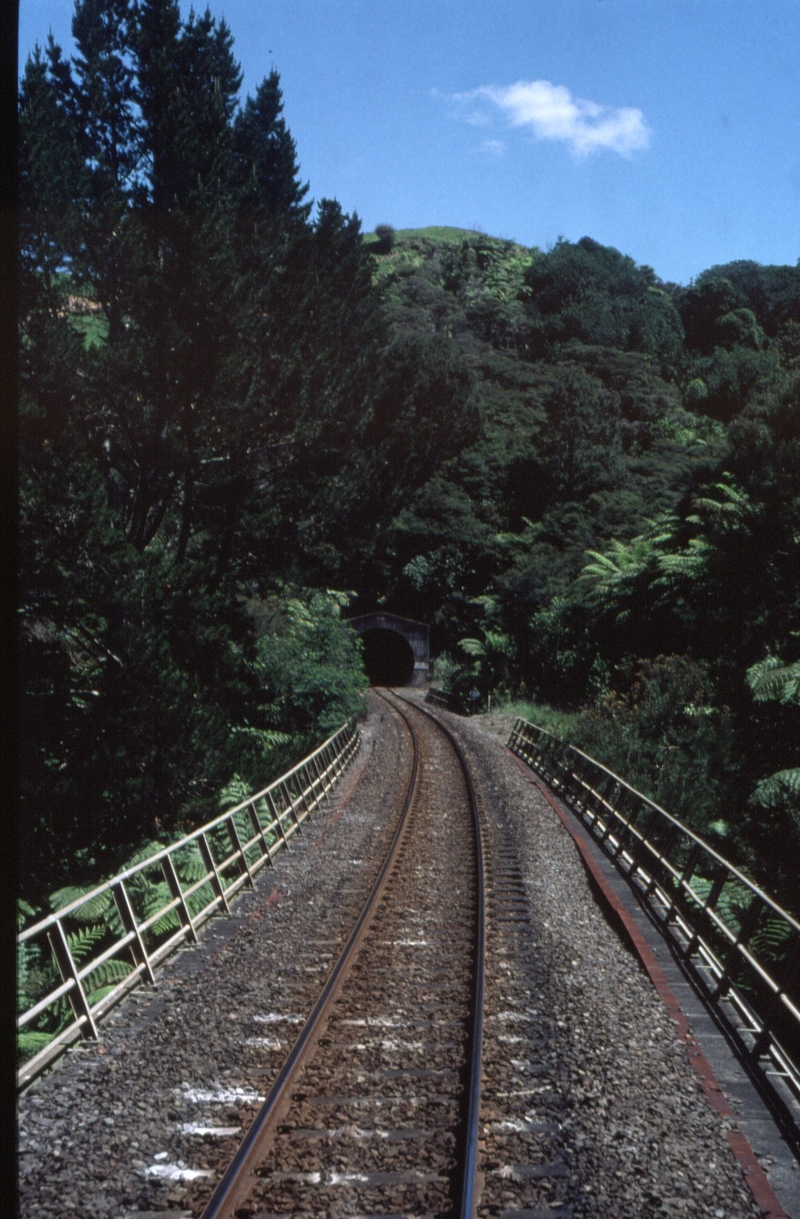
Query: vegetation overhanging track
point(241, 1175)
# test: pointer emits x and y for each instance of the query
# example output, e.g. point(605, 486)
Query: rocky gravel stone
point(177, 1053)
point(591, 1107)
point(603, 1083)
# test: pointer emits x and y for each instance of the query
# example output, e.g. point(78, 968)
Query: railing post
point(255, 821)
point(59, 946)
point(326, 770)
point(126, 914)
point(686, 874)
point(746, 929)
point(303, 776)
point(287, 795)
point(790, 971)
point(213, 874)
point(243, 865)
point(173, 881)
point(275, 817)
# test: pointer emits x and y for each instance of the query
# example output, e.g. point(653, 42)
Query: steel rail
point(468, 1199)
point(235, 1183)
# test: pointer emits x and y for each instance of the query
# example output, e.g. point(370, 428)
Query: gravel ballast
point(599, 1090)
point(628, 1122)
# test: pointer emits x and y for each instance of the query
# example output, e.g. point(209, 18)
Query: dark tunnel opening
point(388, 658)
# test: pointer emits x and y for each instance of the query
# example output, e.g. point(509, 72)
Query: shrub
point(386, 237)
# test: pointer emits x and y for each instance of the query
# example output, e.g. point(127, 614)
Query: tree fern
point(778, 790)
point(105, 977)
point(731, 904)
point(771, 942)
point(82, 942)
point(236, 791)
point(144, 852)
point(30, 1042)
point(189, 863)
point(167, 923)
point(473, 647)
point(772, 679)
point(96, 908)
point(24, 912)
point(732, 510)
point(267, 738)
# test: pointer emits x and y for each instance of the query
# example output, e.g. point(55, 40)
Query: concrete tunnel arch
point(396, 650)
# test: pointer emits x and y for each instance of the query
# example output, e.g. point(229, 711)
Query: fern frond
point(603, 564)
point(89, 912)
point(24, 912)
point(144, 852)
point(772, 679)
point(234, 792)
point(168, 922)
point(189, 863)
point(779, 789)
point(94, 998)
point(30, 1042)
point(473, 647)
point(107, 974)
point(267, 738)
point(771, 938)
point(82, 942)
point(498, 642)
point(154, 897)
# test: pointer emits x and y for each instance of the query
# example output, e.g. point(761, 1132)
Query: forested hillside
point(235, 404)
point(622, 541)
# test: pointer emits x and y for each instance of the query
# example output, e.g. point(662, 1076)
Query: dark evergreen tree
point(267, 170)
point(52, 177)
point(102, 92)
point(146, 446)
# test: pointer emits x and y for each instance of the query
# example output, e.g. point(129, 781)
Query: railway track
point(588, 1104)
point(376, 1109)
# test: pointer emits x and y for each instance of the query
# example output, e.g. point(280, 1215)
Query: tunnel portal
point(388, 658)
point(396, 650)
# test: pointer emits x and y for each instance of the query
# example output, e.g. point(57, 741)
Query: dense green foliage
point(623, 536)
point(168, 446)
point(587, 480)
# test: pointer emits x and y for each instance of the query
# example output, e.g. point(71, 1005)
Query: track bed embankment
point(375, 1121)
point(590, 1106)
point(124, 1125)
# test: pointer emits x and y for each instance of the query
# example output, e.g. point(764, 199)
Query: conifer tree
point(102, 89)
point(267, 156)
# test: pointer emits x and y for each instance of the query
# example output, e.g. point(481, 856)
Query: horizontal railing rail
point(82, 959)
point(744, 950)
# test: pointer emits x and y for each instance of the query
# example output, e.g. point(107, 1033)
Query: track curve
point(420, 900)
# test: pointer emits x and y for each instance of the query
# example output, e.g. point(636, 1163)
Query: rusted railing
point(107, 940)
point(742, 947)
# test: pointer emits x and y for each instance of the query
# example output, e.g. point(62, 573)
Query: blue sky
point(667, 128)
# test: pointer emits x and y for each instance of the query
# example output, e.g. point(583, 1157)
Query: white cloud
point(552, 113)
point(496, 147)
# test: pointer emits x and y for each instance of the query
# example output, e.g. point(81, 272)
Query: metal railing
point(106, 941)
point(445, 700)
point(743, 949)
